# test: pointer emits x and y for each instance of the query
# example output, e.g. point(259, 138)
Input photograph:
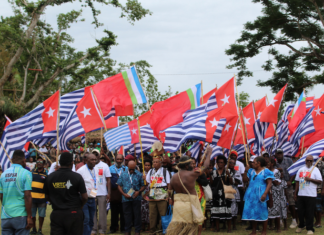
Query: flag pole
point(100, 138)
point(41, 152)
point(202, 93)
point(204, 156)
point(247, 149)
point(301, 151)
point(102, 117)
point(240, 114)
point(58, 128)
point(318, 160)
point(6, 152)
point(140, 140)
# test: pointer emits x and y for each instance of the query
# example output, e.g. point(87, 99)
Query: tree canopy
point(37, 58)
point(297, 25)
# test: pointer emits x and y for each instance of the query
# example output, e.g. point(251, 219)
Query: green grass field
point(240, 229)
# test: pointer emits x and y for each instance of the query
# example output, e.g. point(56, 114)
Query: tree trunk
point(20, 50)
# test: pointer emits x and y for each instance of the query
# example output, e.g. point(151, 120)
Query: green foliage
point(244, 99)
point(295, 24)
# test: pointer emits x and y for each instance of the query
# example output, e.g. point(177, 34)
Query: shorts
point(290, 195)
point(319, 202)
point(41, 207)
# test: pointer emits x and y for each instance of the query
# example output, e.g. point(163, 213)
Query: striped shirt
point(13, 183)
point(37, 193)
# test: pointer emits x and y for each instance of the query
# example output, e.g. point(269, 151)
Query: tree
point(244, 99)
point(295, 24)
point(150, 87)
point(28, 43)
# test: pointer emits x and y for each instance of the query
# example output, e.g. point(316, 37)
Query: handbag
point(208, 193)
point(113, 180)
point(229, 191)
point(165, 220)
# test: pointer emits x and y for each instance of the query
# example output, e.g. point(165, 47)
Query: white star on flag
point(273, 102)
point(134, 131)
point(259, 114)
point(227, 127)
point(86, 111)
point(214, 122)
point(247, 121)
point(317, 111)
point(50, 112)
point(225, 99)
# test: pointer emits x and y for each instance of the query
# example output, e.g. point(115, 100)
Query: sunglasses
point(254, 177)
point(309, 160)
point(39, 161)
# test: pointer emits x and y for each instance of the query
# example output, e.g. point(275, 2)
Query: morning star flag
point(147, 139)
point(122, 135)
point(298, 113)
point(169, 112)
point(88, 112)
point(315, 150)
point(270, 113)
point(225, 97)
point(260, 129)
point(120, 92)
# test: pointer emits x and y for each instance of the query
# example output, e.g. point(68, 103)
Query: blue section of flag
point(260, 129)
point(198, 94)
point(119, 136)
point(315, 150)
point(138, 84)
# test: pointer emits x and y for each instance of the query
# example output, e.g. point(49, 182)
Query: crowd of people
point(85, 183)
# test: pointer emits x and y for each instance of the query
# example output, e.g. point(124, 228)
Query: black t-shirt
point(64, 188)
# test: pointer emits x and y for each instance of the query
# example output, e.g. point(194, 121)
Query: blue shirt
point(126, 184)
point(32, 152)
point(13, 183)
point(113, 169)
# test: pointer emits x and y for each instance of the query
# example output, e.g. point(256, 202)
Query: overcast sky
point(180, 37)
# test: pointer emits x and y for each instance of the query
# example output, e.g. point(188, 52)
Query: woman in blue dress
point(256, 195)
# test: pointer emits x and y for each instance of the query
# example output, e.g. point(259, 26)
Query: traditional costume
point(187, 214)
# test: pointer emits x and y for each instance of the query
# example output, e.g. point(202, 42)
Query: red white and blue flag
point(122, 135)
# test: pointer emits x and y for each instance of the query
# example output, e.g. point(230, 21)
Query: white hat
point(252, 158)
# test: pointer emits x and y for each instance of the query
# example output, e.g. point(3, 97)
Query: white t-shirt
point(158, 175)
point(239, 167)
point(52, 168)
point(102, 172)
point(43, 150)
point(31, 165)
point(308, 189)
point(88, 178)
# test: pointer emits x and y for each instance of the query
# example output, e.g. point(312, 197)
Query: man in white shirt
point(43, 149)
point(88, 173)
point(103, 185)
point(159, 178)
point(307, 179)
point(53, 167)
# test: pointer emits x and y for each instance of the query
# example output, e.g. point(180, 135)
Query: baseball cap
point(130, 157)
point(252, 158)
point(95, 150)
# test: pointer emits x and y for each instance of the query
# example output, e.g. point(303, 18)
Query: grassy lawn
point(241, 229)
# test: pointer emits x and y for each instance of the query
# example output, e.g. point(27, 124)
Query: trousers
point(306, 209)
point(117, 214)
point(89, 210)
point(132, 213)
point(15, 226)
point(100, 225)
point(157, 209)
point(67, 222)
